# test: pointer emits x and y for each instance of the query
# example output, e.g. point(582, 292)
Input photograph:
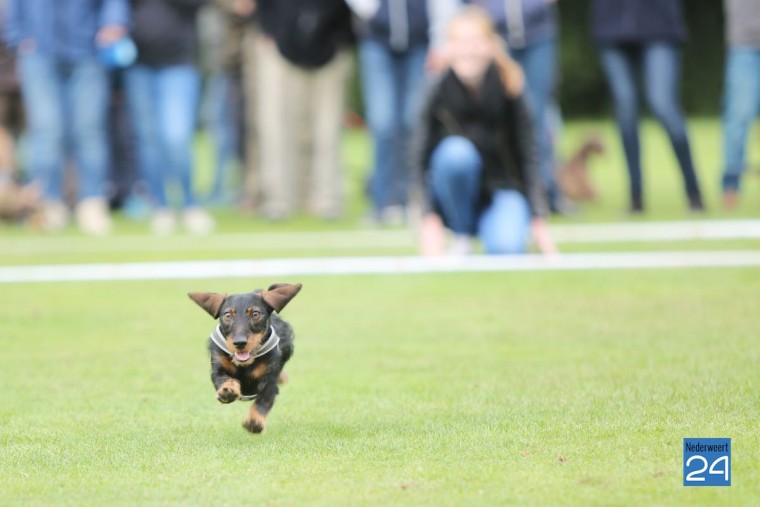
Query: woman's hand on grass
point(541, 237)
point(432, 236)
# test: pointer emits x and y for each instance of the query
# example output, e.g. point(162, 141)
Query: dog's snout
point(240, 342)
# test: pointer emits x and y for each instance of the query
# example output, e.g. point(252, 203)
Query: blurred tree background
point(582, 82)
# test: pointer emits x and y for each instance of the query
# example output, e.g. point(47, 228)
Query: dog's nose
point(240, 342)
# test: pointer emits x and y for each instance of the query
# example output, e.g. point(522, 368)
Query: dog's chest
point(250, 376)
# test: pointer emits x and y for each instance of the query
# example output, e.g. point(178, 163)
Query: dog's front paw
point(229, 391)
point(254, 425)
point(255, 422)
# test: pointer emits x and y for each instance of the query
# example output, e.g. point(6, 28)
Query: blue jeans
point(539, 62)
point(741, 103)
point(219, 120)
point(455, 182)
point(660, 64)
point(163, 102)
point(392, 85)
point(66, 103)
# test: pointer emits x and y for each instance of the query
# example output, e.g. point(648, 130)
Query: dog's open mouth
point(242, 356)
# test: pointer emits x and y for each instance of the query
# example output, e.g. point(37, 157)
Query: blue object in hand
point(119, 54)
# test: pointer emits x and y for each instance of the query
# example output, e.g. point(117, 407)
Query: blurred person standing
point(303, 68)
point(240, 66)
point(17, 202)
point(127, 189)
point(65, 89)
point(395, 38)
point(475, 151)
point(644, 37)
point(11, 110)
point(741, 100)
point(531, 31)
point(217, 108)
point(163, 90)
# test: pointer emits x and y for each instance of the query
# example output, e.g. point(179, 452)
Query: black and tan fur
point(245, 321)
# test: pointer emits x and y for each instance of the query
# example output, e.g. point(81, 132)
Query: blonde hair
point(510, 72)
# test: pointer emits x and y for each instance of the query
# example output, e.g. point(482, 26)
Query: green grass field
point(519, 388)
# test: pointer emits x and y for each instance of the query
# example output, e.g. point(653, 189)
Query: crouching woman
point(476, 151)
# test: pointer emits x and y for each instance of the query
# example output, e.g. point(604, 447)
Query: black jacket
point(637, 21)
point(308, 33)
point(499, 126)
point(398, 29)
point(165, 31)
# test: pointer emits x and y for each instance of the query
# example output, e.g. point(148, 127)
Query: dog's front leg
point(228, 391)
point(227, 387)
point(256, 420)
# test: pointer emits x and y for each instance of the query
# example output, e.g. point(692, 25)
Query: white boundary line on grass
point(374, 266)
point(657, 231)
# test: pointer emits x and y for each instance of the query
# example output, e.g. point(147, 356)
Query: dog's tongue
point(242, 356)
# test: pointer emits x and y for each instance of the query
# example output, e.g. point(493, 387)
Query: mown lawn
point(543, 388)
point(520, 388)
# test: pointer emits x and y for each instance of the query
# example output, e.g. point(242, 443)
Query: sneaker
point(696, 205)
point(136, 208)
point(730, 199)
point(163, 222)
point(55, 216)
point(393, 216)
point(198, 222)
point(637, 206)
point(93, 217)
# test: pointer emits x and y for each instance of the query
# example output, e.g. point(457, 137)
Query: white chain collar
point(266, 347)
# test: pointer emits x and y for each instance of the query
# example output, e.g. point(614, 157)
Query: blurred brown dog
point(18, 203)
point(573, 176)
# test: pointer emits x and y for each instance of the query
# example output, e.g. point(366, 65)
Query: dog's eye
point(227, 315)
point(255, 314)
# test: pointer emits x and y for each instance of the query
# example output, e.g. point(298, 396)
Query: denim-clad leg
point(178, 89)
point(504, 226)
point(661, 64)
point(391, 84)
point(219, 119)
point(87, 94)
point(66, 102)
point(619, 66)
point(454, 180)
point(141, 87)
point(163, 102)
point(741, 103)
point(43, 102)
point(411, 87)
point(539, 64)
point(379, 88)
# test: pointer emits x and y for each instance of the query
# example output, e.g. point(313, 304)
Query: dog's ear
point(209, 301)
point(279, 294)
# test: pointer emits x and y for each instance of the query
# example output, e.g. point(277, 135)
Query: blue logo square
point(706, 461)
